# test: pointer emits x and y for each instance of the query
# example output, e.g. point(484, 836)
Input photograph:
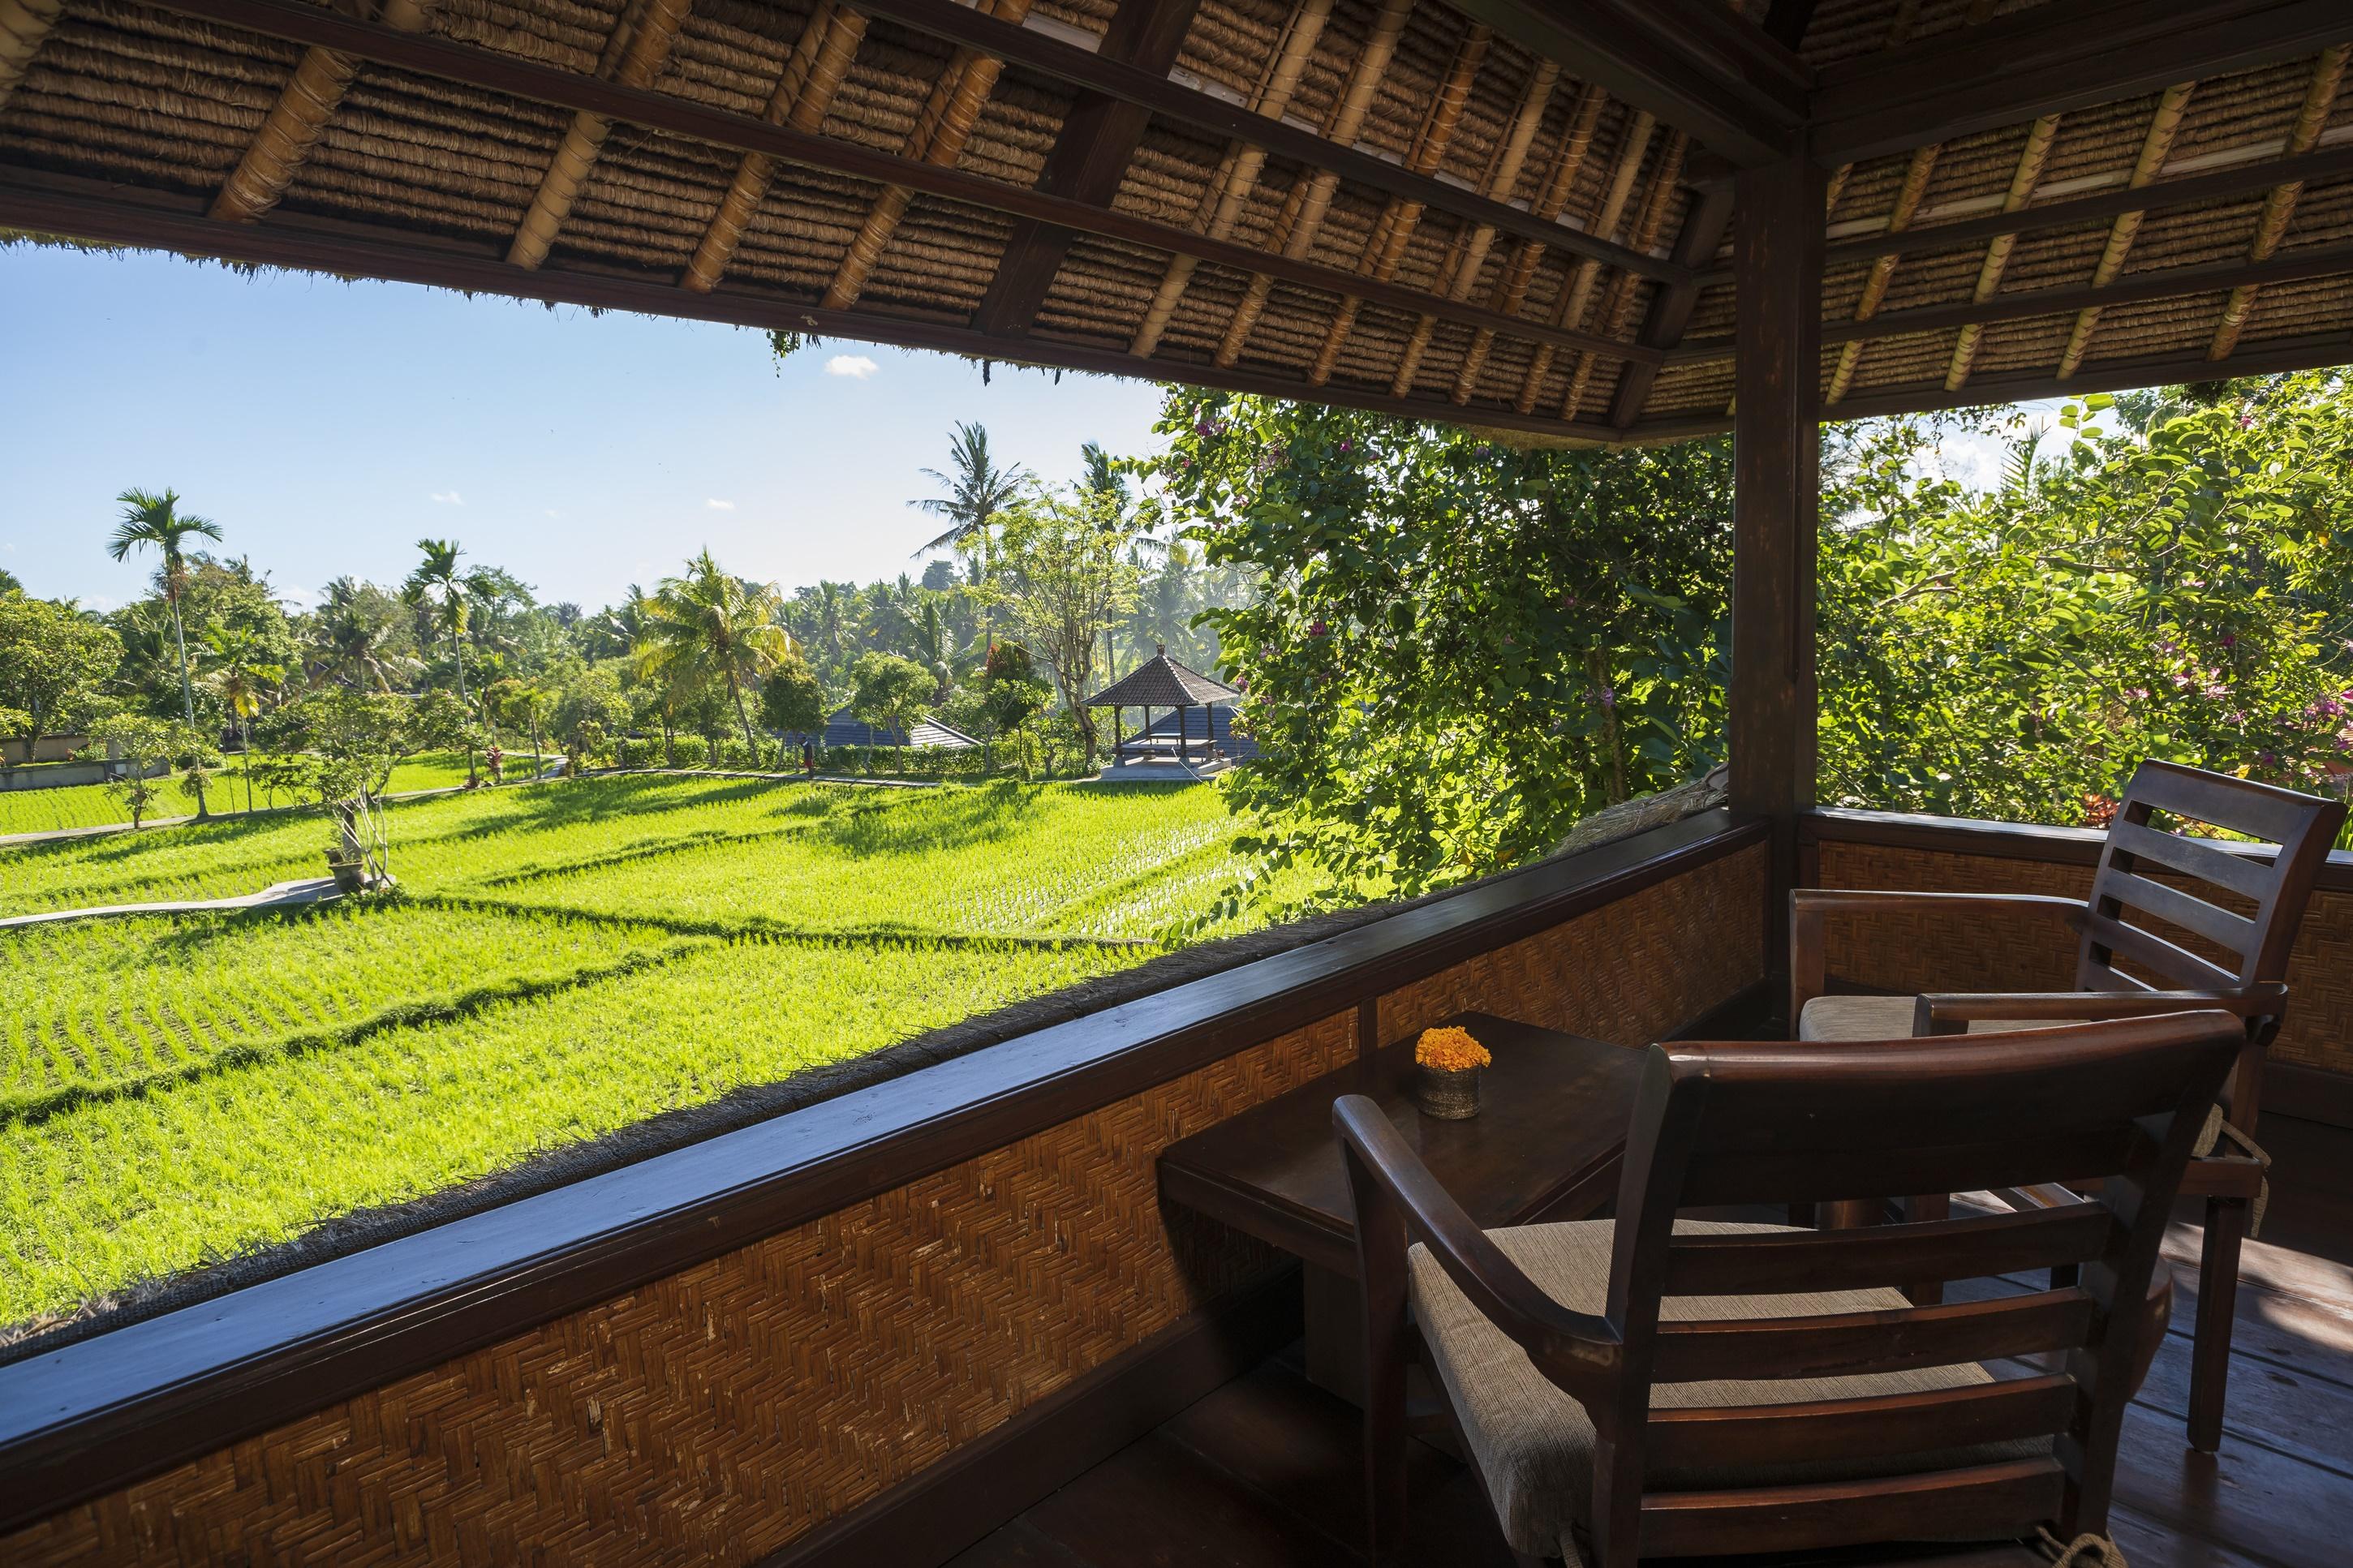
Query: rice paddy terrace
point(562, 961)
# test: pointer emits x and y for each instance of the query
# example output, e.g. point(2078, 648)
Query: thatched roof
point(1162, 682)
point(1501, 214)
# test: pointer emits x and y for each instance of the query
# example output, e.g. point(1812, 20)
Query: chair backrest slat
point(1848, 1344)
point(1688, 1438)
point(1760, 1122)
point(2143, 868)
point(1888, 1255)
point(1977, 1503)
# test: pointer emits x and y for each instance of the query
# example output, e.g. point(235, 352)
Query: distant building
point(1191, 738)
point(843, 730)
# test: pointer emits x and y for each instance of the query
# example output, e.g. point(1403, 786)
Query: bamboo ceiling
point(1409, 206)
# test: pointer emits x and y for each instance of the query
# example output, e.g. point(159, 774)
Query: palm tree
point(710, 625)
point(149, 519)
point(978, 490)
point(240, 674)
point(353, 644)
point(437, 585)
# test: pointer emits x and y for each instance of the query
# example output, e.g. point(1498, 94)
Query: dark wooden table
point(1544, 1146)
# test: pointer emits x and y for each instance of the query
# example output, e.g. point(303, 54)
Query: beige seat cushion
point(1533, 1444)
point(1883, 1018)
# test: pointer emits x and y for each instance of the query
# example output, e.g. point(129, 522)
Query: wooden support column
point(1778, 268)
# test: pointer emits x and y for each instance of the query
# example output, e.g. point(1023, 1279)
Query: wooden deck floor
point(1264, 1471)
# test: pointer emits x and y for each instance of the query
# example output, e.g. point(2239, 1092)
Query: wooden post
point(1777, 267)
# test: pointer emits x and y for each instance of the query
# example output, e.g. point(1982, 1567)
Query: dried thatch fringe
point(2162, 126)
point(1883, 268)
point(1468, 255)
point(2327, 75)
point(949, 115)
point(805, 91)
point(1304, 208)
point(22, 25)
point(1624, 287)
point(1386, 249)
point(293, 123)
point(1222, 202)
point(633, 57)
point(2022, 181)
point(1579, 292)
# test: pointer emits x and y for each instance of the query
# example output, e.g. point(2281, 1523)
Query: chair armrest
point(1952, 1012)
point(1809, 960)
point(1578, 1351)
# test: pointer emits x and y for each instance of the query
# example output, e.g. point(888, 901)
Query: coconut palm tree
point(353, 639)
point(241, 672)
point(438, 587)
point(978, 490)
point(156, 521)
point(710, 625)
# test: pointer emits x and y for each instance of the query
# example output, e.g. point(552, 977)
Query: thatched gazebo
point(1160, 682)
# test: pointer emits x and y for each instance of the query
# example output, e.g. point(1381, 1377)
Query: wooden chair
point(1639, 1387)
point(2134, 920)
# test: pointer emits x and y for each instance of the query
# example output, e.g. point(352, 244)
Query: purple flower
point(2269, 759)
point(1318, 630)
point(1347, 446)
point(1606, 695)
point(2136, 692)
point(2229, 640)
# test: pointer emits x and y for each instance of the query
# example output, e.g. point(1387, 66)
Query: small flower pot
point(1451, 1095)
point(351, 876)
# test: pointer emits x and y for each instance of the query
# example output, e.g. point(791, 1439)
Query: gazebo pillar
point(1777, 447)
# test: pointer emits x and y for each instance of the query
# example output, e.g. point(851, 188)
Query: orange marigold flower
point(1449, 1050)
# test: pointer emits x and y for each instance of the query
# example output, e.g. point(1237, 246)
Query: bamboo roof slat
point(2279, 205)
point(2121, 233)
point(1572, 307)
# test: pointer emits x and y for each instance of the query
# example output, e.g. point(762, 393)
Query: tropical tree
point(977, 492)
point(791, 699)
point(888, 692)
point(1062, 578)
point(439, 590)
point(710, 629)
point(146, 747)
point(357, 637)
point(156, 521)
point(53, 661)
point(242, 672)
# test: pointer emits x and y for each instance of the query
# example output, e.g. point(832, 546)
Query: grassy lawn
point(94, 806)
point(563, 959)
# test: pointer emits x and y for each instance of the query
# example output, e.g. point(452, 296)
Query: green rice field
point(95, 805)
point(561, 960)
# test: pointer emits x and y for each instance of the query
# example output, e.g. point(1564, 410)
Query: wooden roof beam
point(2171, 105)
point(1611, 321)
point(291, 128)
point(2054, 59)
point(2165, 283)
point(85, 210)
point(1705, 222)
point(1034, 50)
point(306, 24)
point(1695, 67)
point(2313, 350)
point(1092, 152)
point(2279, 202)
point(633, 57)
point(1578, 294)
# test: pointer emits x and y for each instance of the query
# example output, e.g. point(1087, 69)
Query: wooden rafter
point(2279, 204)
point(1385, 249)
point(1223, 120)
point(22, 25)
point(1309, 199)
point(1098, 138)
point(2023, 178)
point(293, 125)
point(307, 24)
point(1705, 222)
point(1469, 255)
point(1579, 292)
point(1625, 286)
point(1237, 172)
point(813, 73)
point(2170, 106)
point(1690, 64)
point(939, 137)
point(1908, 197)
point(634, 53)
point(2054, 59)
point(59, 204)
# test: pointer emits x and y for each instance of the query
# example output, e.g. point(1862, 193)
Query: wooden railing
point(84, 1423)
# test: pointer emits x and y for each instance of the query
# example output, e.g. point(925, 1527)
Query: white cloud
point(551, 511)
point(447, 498)
point(715, 504)
point(300, 599)
point(857, 367)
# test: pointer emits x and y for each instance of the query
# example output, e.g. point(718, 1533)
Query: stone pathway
point(278, 894)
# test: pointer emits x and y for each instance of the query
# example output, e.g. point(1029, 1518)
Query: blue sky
point(582, 452)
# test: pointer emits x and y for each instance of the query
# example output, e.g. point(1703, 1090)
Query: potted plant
point(1446, 1073)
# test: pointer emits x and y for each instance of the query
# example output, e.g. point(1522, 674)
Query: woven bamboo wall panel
point(720, 1413)
point(1971, 952)
point(1629, 974)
